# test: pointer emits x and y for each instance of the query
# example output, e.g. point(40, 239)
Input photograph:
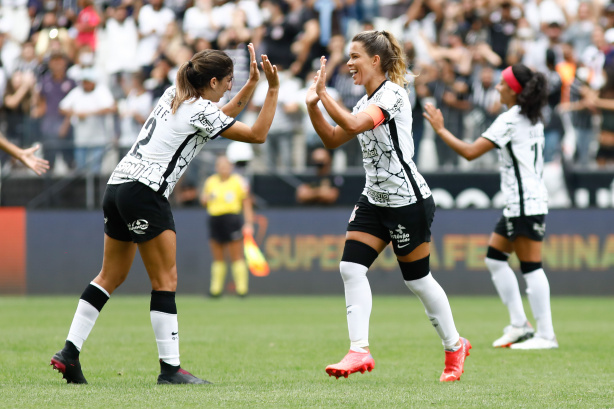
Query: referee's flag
point(256, 262)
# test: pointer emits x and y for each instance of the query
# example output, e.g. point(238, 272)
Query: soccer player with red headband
point(518, 134)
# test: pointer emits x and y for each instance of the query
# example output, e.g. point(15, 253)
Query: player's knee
point(415, 270)
point(529, 266)
point(495, 257)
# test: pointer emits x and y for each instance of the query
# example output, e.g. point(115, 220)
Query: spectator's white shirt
point(521, 155)
point(15, 20)
point(130, 128)
point(197, 23)
point(152, 25)
point(121, 45)
point(252, 12)
point(594, 59)
point(90, 131)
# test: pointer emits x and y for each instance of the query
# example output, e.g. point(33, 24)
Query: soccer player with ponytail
point(518, 134)
point(396, 204)
point(137, 214)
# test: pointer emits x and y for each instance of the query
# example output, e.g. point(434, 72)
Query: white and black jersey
point(521, 147)
point(387, 151)
point(168, 142)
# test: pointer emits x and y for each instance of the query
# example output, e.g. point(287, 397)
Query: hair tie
point(510, 79)
point(190, 64)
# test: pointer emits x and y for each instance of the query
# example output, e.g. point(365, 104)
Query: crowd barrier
point(59, 252)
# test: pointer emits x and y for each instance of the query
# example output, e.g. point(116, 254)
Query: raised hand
point(321, 77)
point(312, 97)
point(254, 73)
point(434, 116)
point(270, 71)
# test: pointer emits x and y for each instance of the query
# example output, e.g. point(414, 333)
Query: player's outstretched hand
point(312, 97)
point(270, 71)
point(38, 165)
point(321, 77)
point(254, 72)
point(434, 116)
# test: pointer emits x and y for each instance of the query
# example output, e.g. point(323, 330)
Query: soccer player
point(396, 204)
point(225, 194)
point(136, 210)
point(38, 165)
point(518, 134)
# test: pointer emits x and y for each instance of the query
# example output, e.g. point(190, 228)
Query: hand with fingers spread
point(270, 71)
point(38, 165)
point(312, 97)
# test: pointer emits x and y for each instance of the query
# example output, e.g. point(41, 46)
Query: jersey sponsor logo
point(138, 226)
point(369, 153)
point(400, 236)
point(379, 197)
point(539, 228)
point(202, 118)
point(128, 168)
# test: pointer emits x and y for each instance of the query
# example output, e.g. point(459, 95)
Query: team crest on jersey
point(202, 118)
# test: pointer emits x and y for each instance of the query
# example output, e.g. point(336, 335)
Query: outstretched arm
point(38, 165)
point(468, 151)
point(236, 105)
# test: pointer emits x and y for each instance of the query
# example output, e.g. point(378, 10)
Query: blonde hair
point(197, 73)
point(392, 57)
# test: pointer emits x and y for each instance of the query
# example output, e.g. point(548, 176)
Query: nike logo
point(174, 333)
point(404, 245)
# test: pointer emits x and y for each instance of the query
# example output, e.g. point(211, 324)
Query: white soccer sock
point(437, 307)
point(82, 323)
point(358, 300)
point(538, 291)
point(505, 282)
point(166, 330)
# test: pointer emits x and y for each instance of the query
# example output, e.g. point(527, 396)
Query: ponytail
point(392, 57)
point(195, 75)
point(534, 94)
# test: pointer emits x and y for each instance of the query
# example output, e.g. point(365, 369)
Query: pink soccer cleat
point(352, 362)
point(455, 362)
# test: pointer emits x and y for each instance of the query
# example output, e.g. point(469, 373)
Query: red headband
point(508, 76)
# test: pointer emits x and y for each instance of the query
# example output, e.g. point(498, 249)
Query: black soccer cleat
point(69, 367)
point(174, 375)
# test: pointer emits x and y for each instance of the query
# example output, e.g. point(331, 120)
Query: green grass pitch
point(270, 352)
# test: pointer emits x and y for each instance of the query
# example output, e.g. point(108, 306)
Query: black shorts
point(533, 227)
point(134, 212)
point(407, 227)
point(226, 227)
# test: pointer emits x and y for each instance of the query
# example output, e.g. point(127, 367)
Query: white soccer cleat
point(537, 342)
point(513, 335)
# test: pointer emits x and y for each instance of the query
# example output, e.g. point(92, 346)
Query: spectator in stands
point(580, 31)
point(605, 103)
point(200, 21)
point(323, 189)
point(153, 21)
point(88, 106)
point(50, 30)
point(121, 43)
point(133, 111)
point(553, 125)
point(87, 23)
point(18, 102)
point(55, 128)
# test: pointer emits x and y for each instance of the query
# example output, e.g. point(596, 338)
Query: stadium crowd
point(81, 76)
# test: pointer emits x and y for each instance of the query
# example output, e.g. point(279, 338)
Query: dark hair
point(534, 92)
point(197, 74)
point(392, 56)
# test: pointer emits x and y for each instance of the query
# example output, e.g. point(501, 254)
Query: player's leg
point(218, 268)
point(159, 258)
point(117, 259)
point(418, 278)
point(238, 267)
point(506, 283)
point(538, 291)
point(360, 251)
